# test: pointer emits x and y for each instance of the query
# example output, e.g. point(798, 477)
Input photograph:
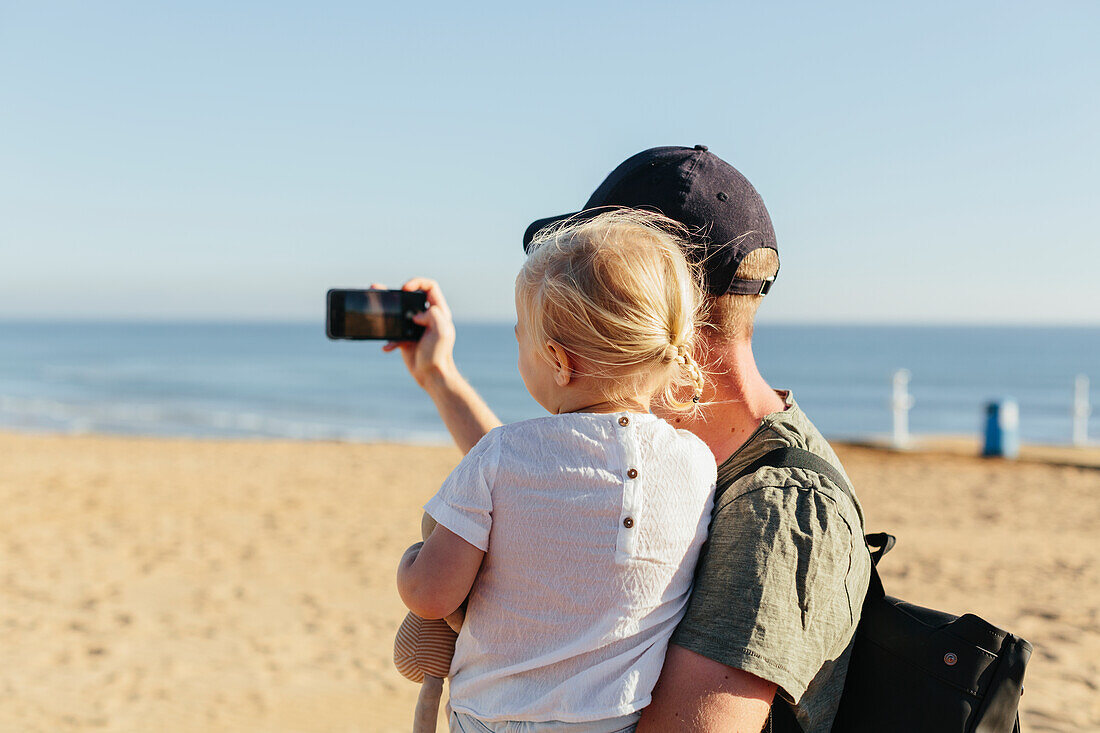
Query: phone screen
point(374, 314)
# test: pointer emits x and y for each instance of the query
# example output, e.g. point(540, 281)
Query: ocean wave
point(188, 420)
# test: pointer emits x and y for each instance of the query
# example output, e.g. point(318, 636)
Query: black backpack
point(915, 670)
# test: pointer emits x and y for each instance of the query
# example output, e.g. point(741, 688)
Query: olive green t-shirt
point(781, 580)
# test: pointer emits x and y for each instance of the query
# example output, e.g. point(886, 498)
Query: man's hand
point(432, 356)
point(431, 363)
point(699, 695)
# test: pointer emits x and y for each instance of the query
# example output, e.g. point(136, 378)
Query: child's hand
point(433, 355)
point(456, 619)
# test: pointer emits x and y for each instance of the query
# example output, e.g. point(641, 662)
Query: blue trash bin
point(1002, 428)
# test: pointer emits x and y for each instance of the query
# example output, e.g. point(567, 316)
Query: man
point(778, 591)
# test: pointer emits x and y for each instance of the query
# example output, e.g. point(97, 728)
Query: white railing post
point(1081, 411)
point(901, 402)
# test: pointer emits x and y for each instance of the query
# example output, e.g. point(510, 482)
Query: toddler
point(575, 535)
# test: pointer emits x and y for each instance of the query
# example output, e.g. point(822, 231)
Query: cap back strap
point(750, 287)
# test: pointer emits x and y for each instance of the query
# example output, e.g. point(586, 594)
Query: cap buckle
point(766, 285)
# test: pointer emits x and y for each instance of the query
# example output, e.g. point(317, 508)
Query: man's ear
point(559, 359)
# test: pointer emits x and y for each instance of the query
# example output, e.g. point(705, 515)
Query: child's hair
point(617, 293)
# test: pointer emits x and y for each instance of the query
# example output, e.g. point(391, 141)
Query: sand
point(191, 585)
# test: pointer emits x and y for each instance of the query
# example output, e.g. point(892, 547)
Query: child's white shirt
point(592, 525)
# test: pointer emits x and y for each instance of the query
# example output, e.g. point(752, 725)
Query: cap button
point(701, 148)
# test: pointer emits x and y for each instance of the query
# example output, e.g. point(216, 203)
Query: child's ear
point(559, 359)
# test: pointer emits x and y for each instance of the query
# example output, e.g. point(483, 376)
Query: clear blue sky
point(921, 162)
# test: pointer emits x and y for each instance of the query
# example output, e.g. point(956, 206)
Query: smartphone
point(374, 314)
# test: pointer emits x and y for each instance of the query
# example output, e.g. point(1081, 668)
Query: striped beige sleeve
point(423, 647)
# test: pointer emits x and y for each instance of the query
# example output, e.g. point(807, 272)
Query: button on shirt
point(591, 525)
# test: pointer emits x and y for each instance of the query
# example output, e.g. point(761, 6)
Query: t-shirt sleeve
point(770, 594)
point(464, 504)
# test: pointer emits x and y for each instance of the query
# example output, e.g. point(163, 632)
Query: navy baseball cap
point(696, 188)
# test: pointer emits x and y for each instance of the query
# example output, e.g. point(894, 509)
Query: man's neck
point(736, 400)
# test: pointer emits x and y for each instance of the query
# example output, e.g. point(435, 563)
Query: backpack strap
point(790, 457)
point(878, 544)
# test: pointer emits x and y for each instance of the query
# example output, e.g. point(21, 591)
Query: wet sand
point(186, 585)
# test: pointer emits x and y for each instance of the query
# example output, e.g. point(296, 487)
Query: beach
point(248, 585)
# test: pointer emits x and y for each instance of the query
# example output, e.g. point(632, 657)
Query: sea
point(287, 380)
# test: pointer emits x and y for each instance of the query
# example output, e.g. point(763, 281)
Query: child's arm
point(435, 576)
point(456, 618)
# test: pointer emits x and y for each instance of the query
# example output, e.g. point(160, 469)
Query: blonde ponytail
point(692, 374)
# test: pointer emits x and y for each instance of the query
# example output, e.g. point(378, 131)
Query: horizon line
point(274, 321)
